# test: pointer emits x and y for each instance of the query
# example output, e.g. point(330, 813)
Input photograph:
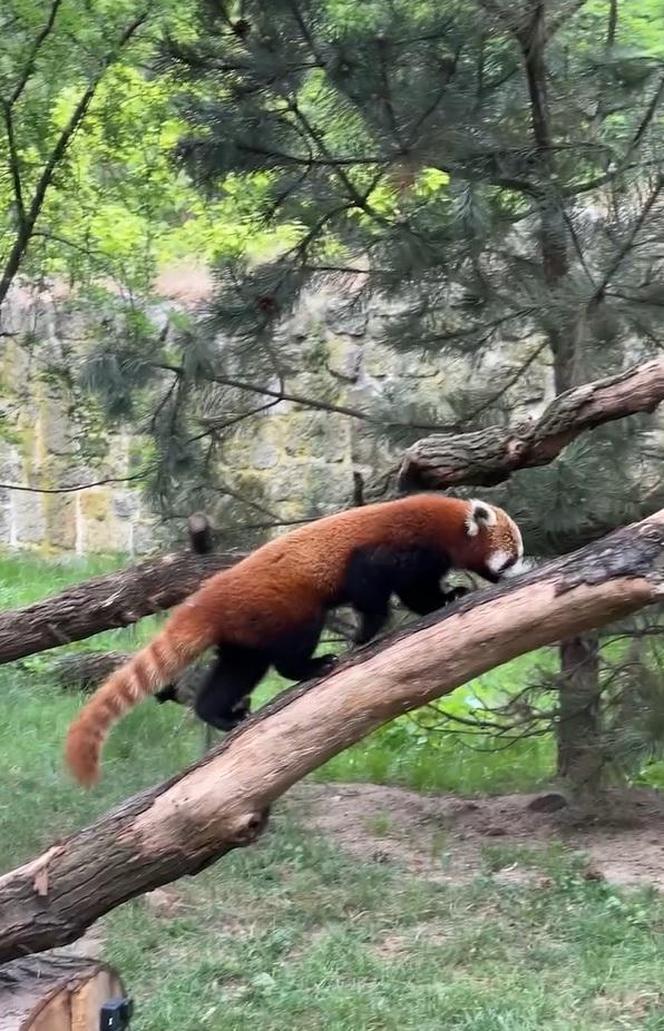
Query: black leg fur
point(293, 656)
point(368, 587)
point(374, 574)
point(305, 669)
point(424, 598)
point(372, 622)
point(167, 694)
point(223, 700)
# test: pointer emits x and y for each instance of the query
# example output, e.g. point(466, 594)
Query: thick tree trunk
point(222, 802)
point(578, 730)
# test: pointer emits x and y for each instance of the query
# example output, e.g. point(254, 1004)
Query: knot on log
point(516, 449)
point(248, 827)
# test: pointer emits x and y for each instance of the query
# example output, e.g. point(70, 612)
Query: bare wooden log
point(489, 456)
point(105, 602)
point(55, 993)
point(85, 671)
point(222, 802)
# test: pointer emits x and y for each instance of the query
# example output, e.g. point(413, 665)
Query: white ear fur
point(480, 514)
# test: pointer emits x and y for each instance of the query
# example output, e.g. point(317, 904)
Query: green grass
point(396, 754)
point(294, 934)
point(400, 753)
point(290, 934)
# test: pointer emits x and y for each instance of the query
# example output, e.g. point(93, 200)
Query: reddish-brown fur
point(283, 584)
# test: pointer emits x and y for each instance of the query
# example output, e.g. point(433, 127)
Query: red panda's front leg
point(426, 597)
point(293, 653)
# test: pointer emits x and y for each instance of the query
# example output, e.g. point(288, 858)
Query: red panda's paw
point(327, 664)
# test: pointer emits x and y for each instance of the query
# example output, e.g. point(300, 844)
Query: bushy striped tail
point(178, 644)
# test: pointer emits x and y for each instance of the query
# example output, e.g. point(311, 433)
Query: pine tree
point(497, 167)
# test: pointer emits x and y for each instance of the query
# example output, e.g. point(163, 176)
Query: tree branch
point(118, 599)
point(222, 802)
point(33, 211)
point(32, 56)
point(490, 456)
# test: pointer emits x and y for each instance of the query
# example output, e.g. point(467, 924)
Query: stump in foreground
point(59, 993)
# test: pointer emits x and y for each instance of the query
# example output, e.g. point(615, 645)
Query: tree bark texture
point(105, 602)
point(578, 728)
point(490, 456)
point(222, 802)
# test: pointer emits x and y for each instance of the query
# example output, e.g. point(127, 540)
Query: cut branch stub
point(487, 457)
point(222, 802)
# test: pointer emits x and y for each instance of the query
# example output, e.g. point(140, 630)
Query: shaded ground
point(450, 839)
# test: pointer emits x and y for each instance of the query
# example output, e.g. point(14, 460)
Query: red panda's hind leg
point(223, 699)
point(293, 654)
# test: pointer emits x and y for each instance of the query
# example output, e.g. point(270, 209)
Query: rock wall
point(303, 460)
point(299, 461)
point(42, 433)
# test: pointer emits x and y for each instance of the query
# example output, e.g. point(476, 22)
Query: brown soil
point(449, 838)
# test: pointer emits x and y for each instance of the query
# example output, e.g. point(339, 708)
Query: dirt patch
point(449, 839)
point(395, 944)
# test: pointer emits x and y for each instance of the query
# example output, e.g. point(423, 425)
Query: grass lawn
point(294, 933)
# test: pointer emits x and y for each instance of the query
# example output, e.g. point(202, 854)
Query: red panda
point(269, 609)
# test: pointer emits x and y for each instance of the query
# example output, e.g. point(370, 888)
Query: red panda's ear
point(480, 514)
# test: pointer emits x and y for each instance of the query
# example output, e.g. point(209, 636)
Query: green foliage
point(398, 139)
point(117, 210)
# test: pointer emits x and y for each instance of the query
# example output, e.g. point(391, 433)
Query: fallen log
point(106, 602)
point(85, 671)
point(222, 802)
point(490, 456)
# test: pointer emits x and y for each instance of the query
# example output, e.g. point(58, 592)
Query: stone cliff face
point(301, 461)
point(42, 427)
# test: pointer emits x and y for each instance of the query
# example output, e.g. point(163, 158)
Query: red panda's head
point(493, 547)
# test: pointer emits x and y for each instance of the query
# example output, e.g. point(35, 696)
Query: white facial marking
point(471, 527)
point(521, 565)
point(497, 560)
